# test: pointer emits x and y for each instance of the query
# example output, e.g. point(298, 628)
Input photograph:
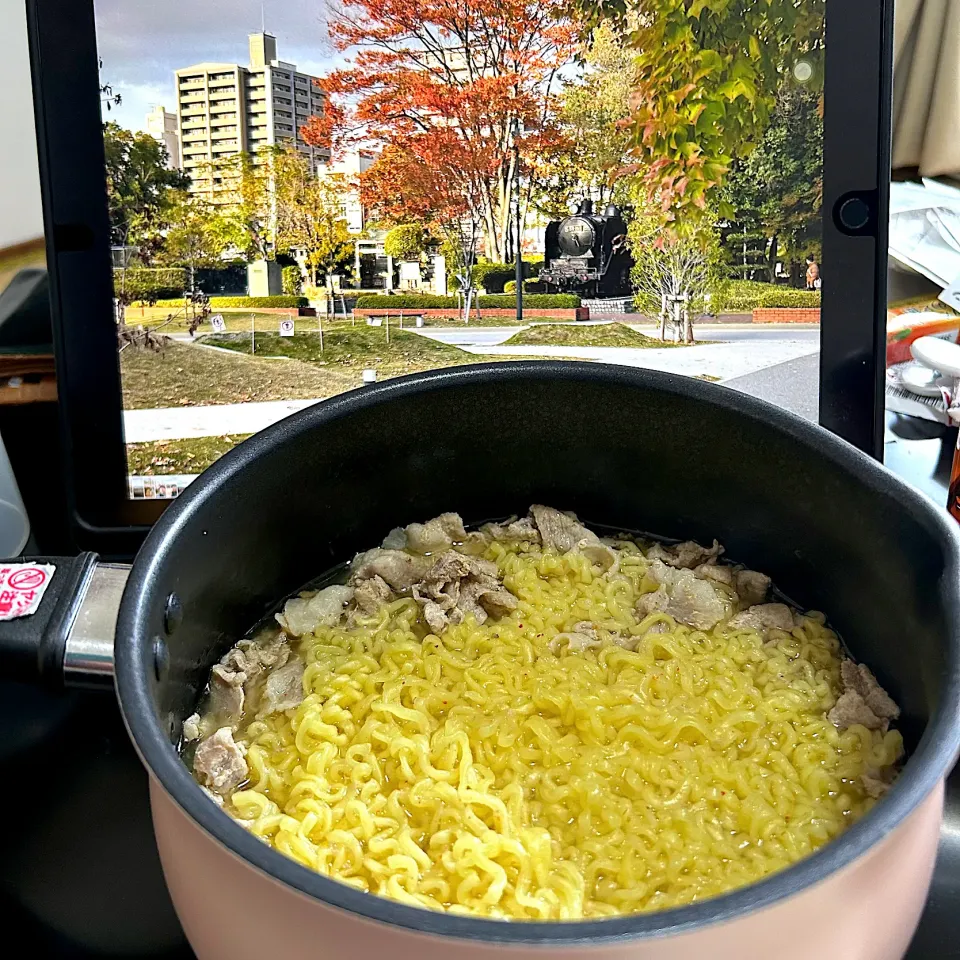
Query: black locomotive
point(587, 253)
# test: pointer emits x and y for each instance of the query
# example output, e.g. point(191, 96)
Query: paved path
point(216, 420)
point(466, 336)
point(721, 360)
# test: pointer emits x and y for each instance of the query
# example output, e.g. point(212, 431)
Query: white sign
point(217, 324)
point(286, 328)
point(22, 586)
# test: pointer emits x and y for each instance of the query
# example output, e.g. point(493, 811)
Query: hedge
point(222, 303)
point(147, 283)
point(494, 276)
point(744, 296)
point(426, 301)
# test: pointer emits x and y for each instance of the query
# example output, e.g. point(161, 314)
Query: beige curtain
point(926, 87)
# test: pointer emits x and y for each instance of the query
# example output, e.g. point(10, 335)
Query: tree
point(674, 272)
point(707, 75)
point(139, 188)
point(778, 190)
point(445, 83)
point(197, 235)
point(592, 115)
point(402, 186)
point(243, 186)
point(406, 241)
point(310, 214)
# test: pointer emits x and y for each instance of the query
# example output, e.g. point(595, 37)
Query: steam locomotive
point(587, 253)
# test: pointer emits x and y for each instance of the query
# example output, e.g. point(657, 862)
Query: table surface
point(79, 872)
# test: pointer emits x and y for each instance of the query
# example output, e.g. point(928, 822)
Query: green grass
point(572, 335)
point(186, 375)
point(347, 347)
point(166, 457)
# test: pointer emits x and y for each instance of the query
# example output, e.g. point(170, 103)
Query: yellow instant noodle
point(479, 772)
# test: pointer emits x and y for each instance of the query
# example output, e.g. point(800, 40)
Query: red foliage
point(439, 85)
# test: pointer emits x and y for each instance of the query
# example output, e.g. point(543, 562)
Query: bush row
point(493, 277)
point(427, 301)
point(744, 296)
point(148, 283)
point(221, 303)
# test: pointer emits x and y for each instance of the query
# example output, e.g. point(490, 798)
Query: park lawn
point(572, 335)
point(238, 321)
point(166, 457)
point(186, 375)
point(354, 348)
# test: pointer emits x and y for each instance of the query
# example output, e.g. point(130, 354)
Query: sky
point(141, 43)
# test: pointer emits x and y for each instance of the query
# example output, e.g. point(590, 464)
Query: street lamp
point(518, 252)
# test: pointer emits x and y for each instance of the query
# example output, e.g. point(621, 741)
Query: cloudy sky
point(141, 43)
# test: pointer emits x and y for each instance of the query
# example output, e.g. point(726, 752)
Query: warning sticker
point(22, 586)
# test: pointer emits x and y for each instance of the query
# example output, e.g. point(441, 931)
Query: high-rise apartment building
point(225, 109)
point(162, 126)
point(349, 168)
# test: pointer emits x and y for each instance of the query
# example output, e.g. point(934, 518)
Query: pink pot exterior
point(867, 911)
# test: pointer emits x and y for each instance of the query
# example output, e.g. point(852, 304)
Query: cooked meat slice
point(457, 586)
point(303, 615)
point(684, 555)
point(400, 570)
point(863, 700)
point(437, 534)
point(764, 616)
point(225, 701)
point(191, 728)
point(752, 587)
point(371, 594)
point(653, 602)
point(601, 554)
point(684, 596)
point(283, 689)
point(253, 654)
point(583, 636)
point(560, 531)
point(851, 709)
point(219, 764)
point(877, 782)
point(715, 572)
point(512, 530)
point(396, 539)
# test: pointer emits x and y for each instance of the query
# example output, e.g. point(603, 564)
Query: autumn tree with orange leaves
point(440, 84)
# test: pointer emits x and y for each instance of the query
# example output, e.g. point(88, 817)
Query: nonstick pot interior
point(625, 448)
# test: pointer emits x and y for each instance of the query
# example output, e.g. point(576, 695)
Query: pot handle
point(69, 638)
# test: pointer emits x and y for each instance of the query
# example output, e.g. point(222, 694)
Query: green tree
point(197, 235)
point(707, 76)
point(406, 241)
point(777, 192)
point(593, 112)
point(675, 272)
point(242, 185)
point(310, 221)
point(139, 188)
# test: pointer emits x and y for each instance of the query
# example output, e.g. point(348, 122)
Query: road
point(468, 336)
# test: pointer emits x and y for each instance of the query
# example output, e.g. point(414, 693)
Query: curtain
point(926, 87)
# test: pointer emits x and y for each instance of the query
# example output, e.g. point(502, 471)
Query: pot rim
point(930, 762)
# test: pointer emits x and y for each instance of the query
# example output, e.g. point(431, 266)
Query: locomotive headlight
point(574, 207)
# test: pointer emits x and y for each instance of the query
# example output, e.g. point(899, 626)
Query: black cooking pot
point(625, 448)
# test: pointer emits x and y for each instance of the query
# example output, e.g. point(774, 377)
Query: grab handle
point(69, 637)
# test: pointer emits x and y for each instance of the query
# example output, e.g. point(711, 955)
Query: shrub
point(292, 281)
point(494, 277)
point(405, 242)
point(744, 296)
point(426, 301)
point(529, 286)
point(148, 284)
